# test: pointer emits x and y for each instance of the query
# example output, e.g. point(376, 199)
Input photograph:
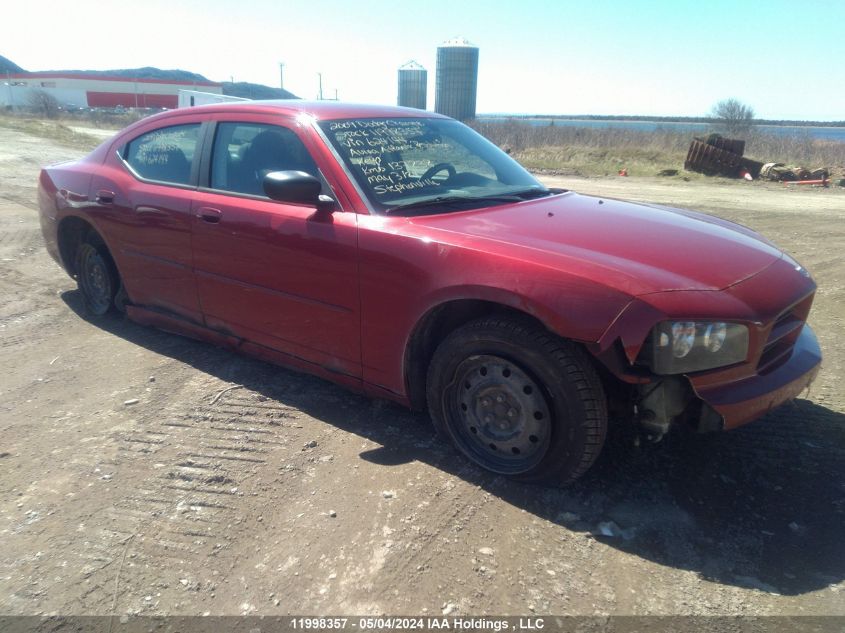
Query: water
point(697, 129)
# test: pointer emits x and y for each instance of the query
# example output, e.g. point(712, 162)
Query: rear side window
point(164, 155)
point(246, 152)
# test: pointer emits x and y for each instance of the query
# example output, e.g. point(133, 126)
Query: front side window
point(244, 153)
point(427, 165)
point(164, 155)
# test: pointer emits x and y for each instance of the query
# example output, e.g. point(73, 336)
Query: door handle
point(104, 197)
point(208, 214)
point(142, 209)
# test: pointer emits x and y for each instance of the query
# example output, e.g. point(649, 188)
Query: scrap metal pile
point(719, 156)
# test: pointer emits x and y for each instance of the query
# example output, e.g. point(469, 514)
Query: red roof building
point(95, 91)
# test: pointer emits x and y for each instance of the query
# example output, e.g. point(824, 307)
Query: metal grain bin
point(413, 86)
point(457, 79)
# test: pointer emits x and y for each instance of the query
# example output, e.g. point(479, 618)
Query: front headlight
point(679, 347)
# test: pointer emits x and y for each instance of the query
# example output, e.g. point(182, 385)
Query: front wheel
point(517, 400)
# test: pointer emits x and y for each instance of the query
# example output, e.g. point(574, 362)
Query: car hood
point(635, 248)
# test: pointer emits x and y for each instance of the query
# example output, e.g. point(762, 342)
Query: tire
point(96, 277)
point(517, 400)
point(121, 299)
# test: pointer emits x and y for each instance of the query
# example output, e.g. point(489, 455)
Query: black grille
point(782, 337)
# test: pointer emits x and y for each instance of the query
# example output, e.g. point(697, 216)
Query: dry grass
point(800, 149)
point(584, 151)
point(51, 129)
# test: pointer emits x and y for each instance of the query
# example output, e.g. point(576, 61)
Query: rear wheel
point(518, 400)
point(96, 276)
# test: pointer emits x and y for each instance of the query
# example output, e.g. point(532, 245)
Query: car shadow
point(760, 507)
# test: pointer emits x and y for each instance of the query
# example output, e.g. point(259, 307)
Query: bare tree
point(733, 116)
point(44, 103)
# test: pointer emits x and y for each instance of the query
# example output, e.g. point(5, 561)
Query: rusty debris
point(719, 156)
point(779, 172)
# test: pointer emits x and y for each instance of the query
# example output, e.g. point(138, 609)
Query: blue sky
point(591, 57)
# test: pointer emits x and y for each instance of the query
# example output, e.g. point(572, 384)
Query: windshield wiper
point(529, 194)
point(449, 200)
point(517, 196)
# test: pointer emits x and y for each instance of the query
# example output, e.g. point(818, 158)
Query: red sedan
point(399, 253)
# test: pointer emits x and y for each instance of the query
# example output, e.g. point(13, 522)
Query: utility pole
point(282, 75)
point(320, 94)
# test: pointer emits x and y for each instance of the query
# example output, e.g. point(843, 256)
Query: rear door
point(278, 274)
point(144, 195)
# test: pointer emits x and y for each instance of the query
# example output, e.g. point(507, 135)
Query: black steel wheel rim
point(501, 416)
point(95, 280)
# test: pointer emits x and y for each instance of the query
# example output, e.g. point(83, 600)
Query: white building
point(188, 98)
point(94, 91)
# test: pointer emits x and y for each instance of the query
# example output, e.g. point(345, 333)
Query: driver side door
point(278, 274)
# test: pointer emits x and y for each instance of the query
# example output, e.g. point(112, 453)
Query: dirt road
point(141, 472)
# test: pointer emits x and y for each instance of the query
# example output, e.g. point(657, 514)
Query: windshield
point(427, 165)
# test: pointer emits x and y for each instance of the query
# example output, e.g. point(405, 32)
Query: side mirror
point(297, 187)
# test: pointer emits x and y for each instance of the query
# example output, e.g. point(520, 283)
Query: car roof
point(320, 110)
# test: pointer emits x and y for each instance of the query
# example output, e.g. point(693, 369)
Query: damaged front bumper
point(742, 401)
point(704, 405)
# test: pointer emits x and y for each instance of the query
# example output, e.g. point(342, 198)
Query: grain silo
point(413, 83)
point(457, 79)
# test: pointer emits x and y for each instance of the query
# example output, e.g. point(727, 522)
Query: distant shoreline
point(622, 118)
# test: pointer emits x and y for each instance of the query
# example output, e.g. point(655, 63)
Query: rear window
point(164, 155)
